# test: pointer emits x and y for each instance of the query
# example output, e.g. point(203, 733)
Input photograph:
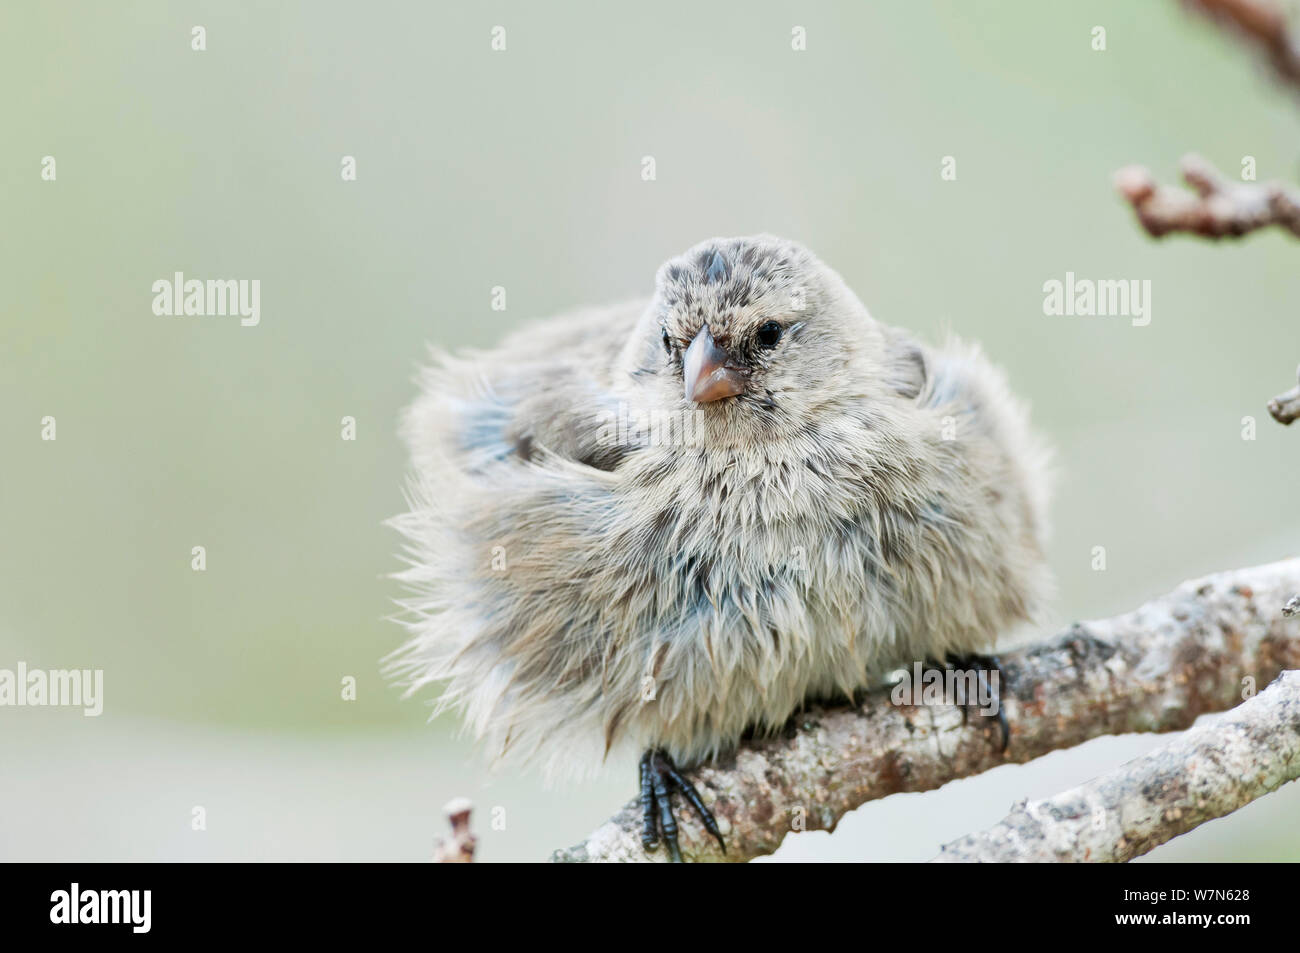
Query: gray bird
point(656, 526)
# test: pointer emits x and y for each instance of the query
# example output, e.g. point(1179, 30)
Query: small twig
point(1156, 669)
point(1264, 23)
point(1216, 209)
point(1285, 407)
point(459, 849)
point(1208, 772)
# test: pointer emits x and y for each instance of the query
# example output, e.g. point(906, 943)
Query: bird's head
point(755, 333)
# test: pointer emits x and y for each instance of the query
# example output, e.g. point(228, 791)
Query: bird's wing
point(546, 388)
point(513, 594)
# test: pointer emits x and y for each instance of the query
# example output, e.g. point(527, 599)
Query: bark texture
point(1208, 772)
point(1200, 649)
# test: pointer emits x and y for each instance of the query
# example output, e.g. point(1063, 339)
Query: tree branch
point(1152, 670)
point(1219, 208)
point(1208, 772)
point(1262, 22)
point(1285, 407)
point(459, 848)
point(1216, 209)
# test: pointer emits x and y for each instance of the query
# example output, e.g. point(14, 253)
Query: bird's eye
point(768, 335)
point(668, 342)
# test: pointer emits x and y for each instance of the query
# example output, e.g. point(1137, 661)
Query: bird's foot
point(987, 693)
point(991, 693)
point(659, 776)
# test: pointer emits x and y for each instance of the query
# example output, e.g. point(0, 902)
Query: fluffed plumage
point(598, 561)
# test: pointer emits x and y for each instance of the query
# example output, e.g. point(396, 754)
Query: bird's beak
point(706, 373)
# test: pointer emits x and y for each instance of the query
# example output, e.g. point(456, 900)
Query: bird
point(664, 525)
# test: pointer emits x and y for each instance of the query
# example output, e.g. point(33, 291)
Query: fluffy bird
point(656, 526)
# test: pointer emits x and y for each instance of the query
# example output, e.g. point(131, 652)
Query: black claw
point(697, 802)
point(649, 830)
point(995, 663)
point(674, 852)
point(667, 823)
point(658, 777)
point(982, 663)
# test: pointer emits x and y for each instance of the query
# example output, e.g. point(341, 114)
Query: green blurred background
point(523, 169)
